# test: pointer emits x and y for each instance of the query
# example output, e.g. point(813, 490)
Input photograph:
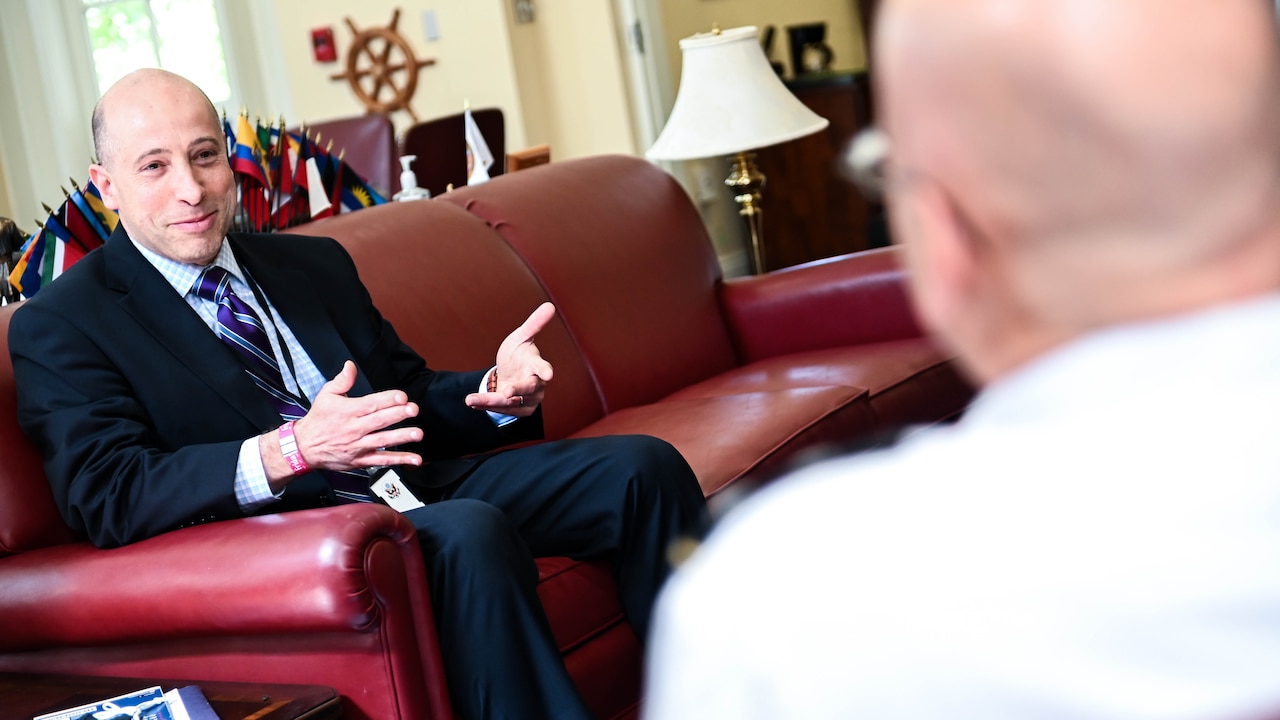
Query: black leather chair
point(440, 147)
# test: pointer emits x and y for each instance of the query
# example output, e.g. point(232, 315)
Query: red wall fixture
point(322, 45)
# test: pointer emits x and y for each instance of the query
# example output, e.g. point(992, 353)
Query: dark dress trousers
point(140, 411)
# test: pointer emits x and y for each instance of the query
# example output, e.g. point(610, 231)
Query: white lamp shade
point(730, 100)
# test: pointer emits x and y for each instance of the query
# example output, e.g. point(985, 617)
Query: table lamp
point(731, 102)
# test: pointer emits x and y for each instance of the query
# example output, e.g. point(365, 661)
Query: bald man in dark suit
point(149, 422)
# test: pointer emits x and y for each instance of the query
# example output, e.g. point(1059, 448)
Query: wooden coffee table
point(23, 696)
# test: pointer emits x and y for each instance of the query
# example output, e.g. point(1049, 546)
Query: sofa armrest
point(852, 299)
point(307, 571)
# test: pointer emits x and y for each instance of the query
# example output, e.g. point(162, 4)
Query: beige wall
point(473, 57)
point(682, 18)
point(6, 205)
point(570, 73)
point(558, 79)
point(44, 127)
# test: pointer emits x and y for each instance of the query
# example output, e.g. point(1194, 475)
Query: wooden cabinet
point(810, 211)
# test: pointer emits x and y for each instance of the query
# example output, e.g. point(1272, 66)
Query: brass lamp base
point(746, 180)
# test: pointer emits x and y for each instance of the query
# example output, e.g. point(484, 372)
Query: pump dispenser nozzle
point(409, 189)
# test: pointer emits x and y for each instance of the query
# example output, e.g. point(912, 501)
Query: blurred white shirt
point(1099, 537)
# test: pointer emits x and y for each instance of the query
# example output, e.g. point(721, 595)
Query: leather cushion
point(908, 381)
point(601, 651)
point(724, 437)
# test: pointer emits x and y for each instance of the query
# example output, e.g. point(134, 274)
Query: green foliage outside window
point(183, 36)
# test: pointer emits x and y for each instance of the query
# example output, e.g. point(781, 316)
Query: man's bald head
point(1107, 157)
point(151, 82)
point(163, 165)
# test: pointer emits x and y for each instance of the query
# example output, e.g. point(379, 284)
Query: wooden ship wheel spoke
point(381, 59)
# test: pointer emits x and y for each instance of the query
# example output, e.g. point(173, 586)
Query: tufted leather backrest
point(621, 249)
point(454, 290)
point(28, 517)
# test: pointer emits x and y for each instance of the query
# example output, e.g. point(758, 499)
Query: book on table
point(152, 703)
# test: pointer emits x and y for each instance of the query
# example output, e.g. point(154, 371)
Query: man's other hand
point(522, 373)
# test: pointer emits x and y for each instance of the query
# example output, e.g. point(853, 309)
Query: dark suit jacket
point(140, 410)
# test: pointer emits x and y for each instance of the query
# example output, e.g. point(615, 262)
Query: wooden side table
point(23, 696)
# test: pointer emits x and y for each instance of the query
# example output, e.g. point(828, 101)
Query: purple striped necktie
point(242, 330)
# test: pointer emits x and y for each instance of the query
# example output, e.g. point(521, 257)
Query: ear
point(102, 180)
point(941, 255)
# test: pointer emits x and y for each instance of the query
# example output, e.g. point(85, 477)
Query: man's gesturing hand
point(522, 373)
point(344, 433)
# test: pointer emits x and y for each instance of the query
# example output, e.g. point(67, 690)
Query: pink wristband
point(289, 449)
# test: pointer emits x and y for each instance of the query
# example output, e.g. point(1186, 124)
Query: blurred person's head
point(162, 164)
point(1059, 166)
point(11, 238)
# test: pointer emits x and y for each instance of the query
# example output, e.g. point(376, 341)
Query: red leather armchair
point(739, 375)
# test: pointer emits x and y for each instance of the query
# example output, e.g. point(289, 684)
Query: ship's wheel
point(380, 59)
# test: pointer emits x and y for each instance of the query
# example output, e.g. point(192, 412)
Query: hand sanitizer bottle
point(409, 189)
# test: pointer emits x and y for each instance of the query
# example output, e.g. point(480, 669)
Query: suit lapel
point(298, 299)
point(153, 303)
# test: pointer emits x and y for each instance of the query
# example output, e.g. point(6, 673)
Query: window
point(183, 36)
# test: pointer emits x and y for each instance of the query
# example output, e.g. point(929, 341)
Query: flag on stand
point(294, 206)
point(479, 158)
point(356, 193)
point(328, 163)
point(249, 162)
point(274, 149)
point(54, 224)
point(266, 140)
point(106, 215)
point(247, 157)
point(65, 252)
point(50, 253)
point(288, 168)
point(84, 228)
point(317, 194)
point(305, 181)
point(69, 232)
point(230, 132)
point(90, 214)
point(335, 175)
point(17, 278)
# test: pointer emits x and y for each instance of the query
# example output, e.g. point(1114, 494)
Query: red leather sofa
point(740, 375)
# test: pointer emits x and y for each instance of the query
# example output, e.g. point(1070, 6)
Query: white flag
point(317, 195)
point(479, 159)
